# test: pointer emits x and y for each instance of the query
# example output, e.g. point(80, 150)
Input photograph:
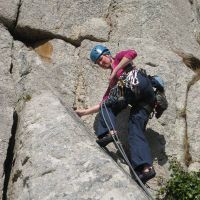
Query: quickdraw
point(131, 80)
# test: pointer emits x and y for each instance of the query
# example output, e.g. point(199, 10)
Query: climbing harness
point(130, 80)
point(121, 149)
point(117, 95)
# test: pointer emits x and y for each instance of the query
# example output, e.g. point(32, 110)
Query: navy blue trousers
point(138, 144)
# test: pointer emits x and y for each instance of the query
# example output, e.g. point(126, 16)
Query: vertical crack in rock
point(30, 36)
point(18, 12)
point(80, 93)
point(108, 17)
point(80, 89)
point(10, 154)
point(11, 67)
point(188, 157)
point(10, 20)
point(194, 64)
point(186, 145)
point(11, 64)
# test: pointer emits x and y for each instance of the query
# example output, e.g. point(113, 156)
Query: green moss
point(181, 185)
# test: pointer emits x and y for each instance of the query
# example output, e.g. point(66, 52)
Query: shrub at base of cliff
point(182, 185)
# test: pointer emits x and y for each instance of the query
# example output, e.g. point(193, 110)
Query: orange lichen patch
point(44, 50)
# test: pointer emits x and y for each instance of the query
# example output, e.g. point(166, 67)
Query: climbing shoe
point(146, 176)
point(105, 140)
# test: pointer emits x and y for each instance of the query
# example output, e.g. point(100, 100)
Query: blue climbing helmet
point(97, 51)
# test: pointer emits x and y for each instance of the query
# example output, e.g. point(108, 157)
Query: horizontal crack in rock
point(151, 64)
point(48, 172)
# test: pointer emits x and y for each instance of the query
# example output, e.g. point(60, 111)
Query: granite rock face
point(48, 65)
point(7, 96)
point(45, 71)
point(9, 12)
point(193, 121)
point(65, 163)
point(69, 20)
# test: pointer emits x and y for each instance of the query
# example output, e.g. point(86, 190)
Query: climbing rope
point(121, 149)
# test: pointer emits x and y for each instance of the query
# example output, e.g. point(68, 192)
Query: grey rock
point(168, 23)
point(194, 167)
point(154, 28)
point(7, 99)
point(65, 163)
point(8, 12)
point(193, 121)
point(72, 20)
point(52, 65)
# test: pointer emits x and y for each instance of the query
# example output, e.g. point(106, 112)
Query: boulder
point(7, 96)
point(56, 158)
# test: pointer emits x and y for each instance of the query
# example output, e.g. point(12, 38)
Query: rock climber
point(142, 100)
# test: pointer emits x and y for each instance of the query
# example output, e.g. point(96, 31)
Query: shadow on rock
point(157, 144)
point(156, 141)
point(95, 124)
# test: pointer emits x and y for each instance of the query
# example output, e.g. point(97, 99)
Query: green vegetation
point(182, 185)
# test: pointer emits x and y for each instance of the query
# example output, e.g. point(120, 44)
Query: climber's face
point(105, 61)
